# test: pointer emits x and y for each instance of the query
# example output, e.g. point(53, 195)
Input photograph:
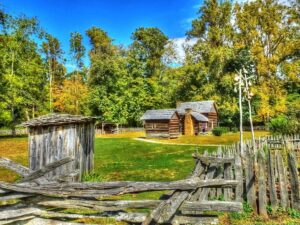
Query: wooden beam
point(16, 167)
point(49, 167)
point(211, 159)
point(195, 208)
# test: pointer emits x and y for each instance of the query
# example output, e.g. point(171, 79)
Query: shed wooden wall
point(51, 143)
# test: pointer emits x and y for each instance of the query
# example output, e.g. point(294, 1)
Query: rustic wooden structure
point(226, 174)
point(193, 123)
point(161, 123)
point(187, 204)
point(206, 108)
point(107, 128)
point(55, 136)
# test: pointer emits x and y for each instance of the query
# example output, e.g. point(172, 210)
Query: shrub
point(283, 125)
point(218, 131)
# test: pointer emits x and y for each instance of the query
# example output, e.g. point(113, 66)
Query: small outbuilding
point(56, 136)
point(161, 123)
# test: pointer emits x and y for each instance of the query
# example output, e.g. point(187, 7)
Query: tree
point(269, 30)
point(205, 75)
point(22, 71)
point(77, 51)
point(56, 70)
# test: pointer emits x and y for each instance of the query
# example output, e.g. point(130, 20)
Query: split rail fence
point(264, 174)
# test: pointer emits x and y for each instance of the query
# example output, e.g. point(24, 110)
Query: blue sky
point(118, 18)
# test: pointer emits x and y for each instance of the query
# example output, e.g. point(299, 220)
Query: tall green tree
point(77, 50)
point(22, 75)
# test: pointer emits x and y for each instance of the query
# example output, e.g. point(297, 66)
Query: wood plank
point(16, 167)
point(211, 159)
point(262, 191)
point(271, 180)
point(197, 208)
point(250, 181)
point(282, 180)
point(294, 181)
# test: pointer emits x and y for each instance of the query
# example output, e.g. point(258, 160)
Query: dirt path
point(166, 143)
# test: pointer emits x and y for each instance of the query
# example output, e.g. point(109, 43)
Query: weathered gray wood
point(197, 208)
point(262, 191)
point(294, 181)
point(101, 205)
point(49, 167)
point(211, 159)
point(250, 181)
point(133, 187)
point(282, 181)
point(203, 220)
point(228, 176)
point(271, 179)
point(14, 196)
point(166, 210)
point(238, 174)
point(16, 167)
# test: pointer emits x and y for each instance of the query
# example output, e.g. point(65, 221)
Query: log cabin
point(190, 118)
point(207, 109)
point(162, 123)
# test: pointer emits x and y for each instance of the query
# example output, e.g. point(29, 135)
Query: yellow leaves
point(71, 97)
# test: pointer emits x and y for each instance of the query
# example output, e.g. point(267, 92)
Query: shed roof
point(159, 114)
point(57, 119)
point(200, 106)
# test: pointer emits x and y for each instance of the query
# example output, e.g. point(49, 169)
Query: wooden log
point(262, 191)
point(101, 205)
point(14, 196)
point(166, 210)
point(211, 159)
point(132, 187)
point(271, 180)
point(49, 167)
point(198, 208)
point(16, 167)
point(203, 220)
point(294, 180)
point(282, 181)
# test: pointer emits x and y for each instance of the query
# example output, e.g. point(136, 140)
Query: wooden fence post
point(262, 191)
point(272, 185)
point(282, 180)
point(294, 179)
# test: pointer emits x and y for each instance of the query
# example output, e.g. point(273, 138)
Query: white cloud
point(180, 44)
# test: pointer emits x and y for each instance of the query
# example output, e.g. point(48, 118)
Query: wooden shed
point(161, 123)
point(206, 108)
point(56, 136)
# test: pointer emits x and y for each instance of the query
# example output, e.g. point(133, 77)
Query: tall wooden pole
point(241, 112)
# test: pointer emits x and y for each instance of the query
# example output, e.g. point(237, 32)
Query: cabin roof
point(199, 117)
point(57, 119)
point(200, 106)
point(158, 114)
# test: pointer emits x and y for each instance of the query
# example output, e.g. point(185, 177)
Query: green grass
point(127, 159)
